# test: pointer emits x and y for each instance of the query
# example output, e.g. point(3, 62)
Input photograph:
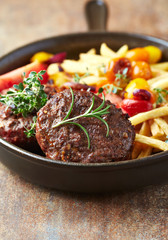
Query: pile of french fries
point(152, 126)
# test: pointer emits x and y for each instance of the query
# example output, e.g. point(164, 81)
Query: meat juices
point(69, 143)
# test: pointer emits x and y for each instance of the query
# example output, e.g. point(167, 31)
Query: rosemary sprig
point(97, 113)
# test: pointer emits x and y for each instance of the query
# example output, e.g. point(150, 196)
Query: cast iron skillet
point(75, 176)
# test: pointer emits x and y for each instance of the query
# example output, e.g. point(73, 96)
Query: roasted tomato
point(119, 71)
point(133, 107)
point(138, 54)
point(41, 57)
point(139, 89)
point(141, 70)
point(138, 83)
point(155, 54)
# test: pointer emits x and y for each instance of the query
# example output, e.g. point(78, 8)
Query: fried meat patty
point(12, 126)
point(69, 143)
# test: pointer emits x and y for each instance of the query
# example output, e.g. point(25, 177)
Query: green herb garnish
point(31, 132)
point(122, 78)
point(26, 97)
point(161, 94)
point(78, 78)
point(109, 88)
point(97, 113)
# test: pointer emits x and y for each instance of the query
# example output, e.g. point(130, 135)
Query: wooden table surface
point(30, 212)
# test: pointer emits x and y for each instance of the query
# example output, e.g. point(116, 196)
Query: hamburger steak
point(12, 126)
point(69, 143)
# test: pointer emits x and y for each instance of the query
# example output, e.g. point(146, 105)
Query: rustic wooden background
point(30, 212)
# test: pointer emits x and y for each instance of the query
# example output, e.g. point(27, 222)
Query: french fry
point(59, 78)
point(106, 51)
point(157, 79)
point(156, 150)
point(92, 51)
point(160, 84)
point(160, 66)
point(138, 147)
point(145, 129)
point(136, 150)
point(145, 152)
point(94, 59)
point(163, 125)
point(141, 117)
point(166, 118)
point(156, 131)
point(157, 72)
point(122, 51)
point(92, 80)
point(151, 142)
point(72, 66)
point(53, 69)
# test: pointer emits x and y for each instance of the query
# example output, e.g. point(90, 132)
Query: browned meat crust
point(69, 143)
point(12, 126)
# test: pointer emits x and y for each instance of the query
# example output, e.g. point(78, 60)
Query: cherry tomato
point(138, 83)
point(133, 107)
point(142, 94)
point(155, 54)
point(141, 70)
point(138, 54)
point(134, 90)
point(41, 56)
point(121, 66)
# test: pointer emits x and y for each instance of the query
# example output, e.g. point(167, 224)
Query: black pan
point(78, 177)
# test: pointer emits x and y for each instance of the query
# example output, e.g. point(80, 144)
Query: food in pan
point(110, 135)
point(18, 110)
point(121, 84)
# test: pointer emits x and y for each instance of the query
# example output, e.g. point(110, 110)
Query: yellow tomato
point(155, 54)
point(138, 54)
point(141, 70)
point(41, 56)
point(138, 83)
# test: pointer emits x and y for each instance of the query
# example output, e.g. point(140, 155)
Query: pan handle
point(96, 15)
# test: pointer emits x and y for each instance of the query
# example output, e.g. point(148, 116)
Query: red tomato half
point(7, 80)
point(133, 107)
